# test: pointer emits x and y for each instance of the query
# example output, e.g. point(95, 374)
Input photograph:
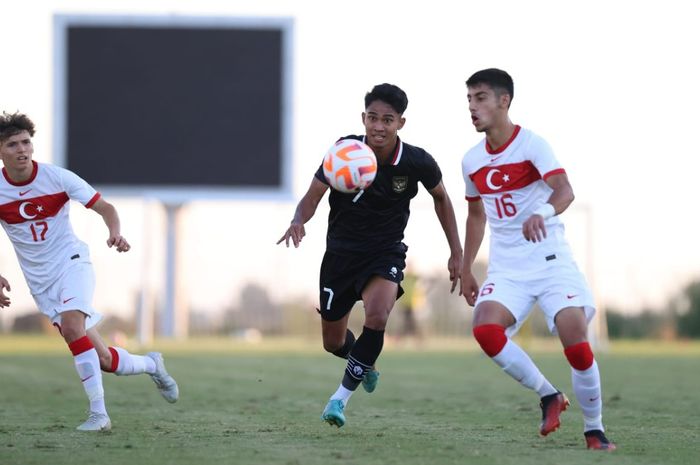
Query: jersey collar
point(35, 169)
point(500, 149)
point(398, 150)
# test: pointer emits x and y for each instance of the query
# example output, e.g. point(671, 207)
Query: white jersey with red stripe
point(511, 183)
point(35, 215)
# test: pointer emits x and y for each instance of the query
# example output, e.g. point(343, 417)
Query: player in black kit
point(365, 255)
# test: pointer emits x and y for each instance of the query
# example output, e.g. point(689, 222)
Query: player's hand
point(534, 229)
point(119, 242)
point(295, 232)
point(454, 266)
point(4, 299)
point(469, 288)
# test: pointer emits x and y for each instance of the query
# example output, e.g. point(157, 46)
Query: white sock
point(343, 394)
point(130, 364)
point(520, 366)
point(586, 386)
point(88, 366)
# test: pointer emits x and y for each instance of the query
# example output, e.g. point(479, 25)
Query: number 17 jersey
point(35, 215)
point(511, 182)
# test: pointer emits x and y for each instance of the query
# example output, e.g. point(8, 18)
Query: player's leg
point(337, 337)
point(87, 364)
point(67, 304)
point(123, 363)
point(337, 296)
point(491, 318)
point(379, 296)
point(572, 328)
point(339, 340)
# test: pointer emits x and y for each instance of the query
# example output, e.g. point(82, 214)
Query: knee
point(72, 332)
point(333, 344)
point(492, 338)
point(377, 318)
point(580, 356)
point(72, 325)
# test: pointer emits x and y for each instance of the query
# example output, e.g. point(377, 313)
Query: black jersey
point(377, 218)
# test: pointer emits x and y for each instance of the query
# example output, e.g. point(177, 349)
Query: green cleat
point(333, 413)
point(369, 382)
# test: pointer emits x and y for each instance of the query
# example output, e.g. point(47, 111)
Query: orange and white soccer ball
point(350, 166)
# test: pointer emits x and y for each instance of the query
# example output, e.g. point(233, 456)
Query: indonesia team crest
point(399, 183)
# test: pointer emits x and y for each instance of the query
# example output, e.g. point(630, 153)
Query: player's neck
point(20, 176)
point(386, 153)
point(499, 134)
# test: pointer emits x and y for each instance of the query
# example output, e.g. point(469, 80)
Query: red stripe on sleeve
point(92, 201)
point(472, 199)
point(81, 345)
point(553, 172)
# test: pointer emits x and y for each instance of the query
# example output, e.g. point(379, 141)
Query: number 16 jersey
point(511, 182)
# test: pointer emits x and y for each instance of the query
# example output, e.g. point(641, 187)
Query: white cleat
point(165, 383)
point(96, 422)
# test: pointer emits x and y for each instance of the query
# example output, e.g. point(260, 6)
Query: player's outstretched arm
point(4, 298)
point(304, 212)
point(476, 226)
point(111, 218)
point(446, 214)
point(562, 195)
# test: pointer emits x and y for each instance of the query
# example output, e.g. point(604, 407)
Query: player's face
point(382, 124)
point(17, 151)
point(486, 107)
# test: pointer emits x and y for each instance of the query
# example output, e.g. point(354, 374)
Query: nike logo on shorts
point(68, 300)
point(568, 296)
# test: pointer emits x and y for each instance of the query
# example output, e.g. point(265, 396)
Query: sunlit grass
point(14, 344)
point(259, 403)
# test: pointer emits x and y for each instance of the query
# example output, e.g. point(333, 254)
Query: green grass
point(435, 406)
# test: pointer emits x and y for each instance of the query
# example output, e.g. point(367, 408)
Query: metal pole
point(169, 319)
point(144, 312)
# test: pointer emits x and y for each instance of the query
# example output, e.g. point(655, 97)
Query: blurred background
point(608, 84)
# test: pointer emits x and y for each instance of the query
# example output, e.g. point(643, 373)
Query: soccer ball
point(350, 166)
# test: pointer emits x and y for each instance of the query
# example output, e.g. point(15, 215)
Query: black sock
point(362, 357)
point(347, 347)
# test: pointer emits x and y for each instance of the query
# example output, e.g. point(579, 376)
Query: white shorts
point(556, 289)
point(73, 290)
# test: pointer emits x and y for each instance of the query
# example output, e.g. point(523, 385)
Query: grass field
point(433, 406)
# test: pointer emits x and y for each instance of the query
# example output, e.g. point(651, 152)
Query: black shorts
point(343, 277)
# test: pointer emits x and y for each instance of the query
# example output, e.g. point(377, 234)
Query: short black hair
point(497, 79)
point(14, 123)
point(390, 94)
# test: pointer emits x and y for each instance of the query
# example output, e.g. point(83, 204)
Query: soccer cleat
point(165, 383)
point(96, 422)
point(369, 382)
point(552, 406)
point(333, 413)
point(595, 439)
